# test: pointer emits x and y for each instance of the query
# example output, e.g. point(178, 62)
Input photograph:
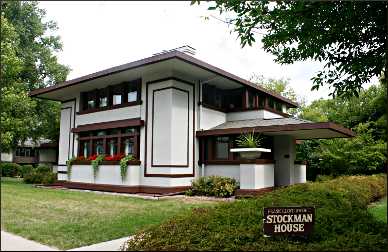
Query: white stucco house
point(42, 151)
point(178, 116)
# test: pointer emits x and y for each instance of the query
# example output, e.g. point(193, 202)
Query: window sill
point(128, 104)
point(105, 162)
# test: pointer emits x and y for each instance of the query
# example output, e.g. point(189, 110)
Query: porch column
point(284, 155)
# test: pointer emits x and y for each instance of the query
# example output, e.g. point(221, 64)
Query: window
point(261, 101)
point(128, 146)
point(251, 100)
point(124, 93)
point(132, 92)
point(112, 146)
point(84, 151)
point(279, 107)
point(25, 152)
point(271, 103)
point(109, 142)
point(222, 148)
point(212, 96)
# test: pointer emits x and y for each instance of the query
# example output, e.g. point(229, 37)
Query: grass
point(342, 221)
point(71, 219)
point(379, 210)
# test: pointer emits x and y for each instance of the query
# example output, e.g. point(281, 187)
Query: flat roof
point(155, 59)
point(298, 128)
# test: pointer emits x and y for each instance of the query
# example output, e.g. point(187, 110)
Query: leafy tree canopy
point(28, 61)
point(349, 37)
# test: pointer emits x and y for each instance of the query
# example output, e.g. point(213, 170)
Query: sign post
point(294, 221)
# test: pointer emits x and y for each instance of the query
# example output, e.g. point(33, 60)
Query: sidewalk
point(11, 242)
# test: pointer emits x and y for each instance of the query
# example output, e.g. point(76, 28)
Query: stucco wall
point(211, 118)
point(66, 138)
point(256, 176)
point(231, 171)
point(107, 174)
point(299, 173)
point(6, 157)
point(170, 132)
point(109, 115)
point(47, 155)
point(251, 114)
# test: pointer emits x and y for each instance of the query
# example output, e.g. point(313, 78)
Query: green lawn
point(70, 219)
point(379, 210)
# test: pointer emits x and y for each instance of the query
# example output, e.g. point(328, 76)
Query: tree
point(28, 61)
point(363, 154)
point(349, 37)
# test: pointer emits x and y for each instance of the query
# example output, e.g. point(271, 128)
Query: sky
point(99, 35)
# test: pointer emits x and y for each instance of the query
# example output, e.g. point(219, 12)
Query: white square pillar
point(256, 176)
point(284, 155)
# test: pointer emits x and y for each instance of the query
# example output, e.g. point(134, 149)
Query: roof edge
point(276, 128)
point(155, 59)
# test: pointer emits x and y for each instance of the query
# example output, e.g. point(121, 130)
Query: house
point(178, 116)
point(42, 151)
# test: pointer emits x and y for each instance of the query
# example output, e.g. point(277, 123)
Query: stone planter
point(250, 153)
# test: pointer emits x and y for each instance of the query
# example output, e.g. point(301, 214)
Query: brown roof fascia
point(278, 128)
point(155, 59)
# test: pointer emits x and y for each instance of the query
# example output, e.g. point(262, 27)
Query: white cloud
point(98, 35)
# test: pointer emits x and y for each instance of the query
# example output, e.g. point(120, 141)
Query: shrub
point(40, 175)
point(213, 186)
point(25, 169)
point(342, 221)
point(10, 170)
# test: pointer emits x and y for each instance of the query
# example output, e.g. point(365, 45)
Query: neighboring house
point(43, 151)
point(178, 116)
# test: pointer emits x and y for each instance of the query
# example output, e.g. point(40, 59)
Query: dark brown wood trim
point(62, 172)
point(253, 192)
point(163, 175)
point(300, 162)
point(146, 130)
point(124, 189)
point(155, 59)
point(188, 128)
point(123, 105)
point(242, 161)
point(278, 128)
point(134, 122)
point(171, 78)
point(105, 162)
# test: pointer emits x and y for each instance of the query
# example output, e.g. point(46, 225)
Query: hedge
point(41, 175)
point(342, 221)
point(10, 170)
point(213, 186)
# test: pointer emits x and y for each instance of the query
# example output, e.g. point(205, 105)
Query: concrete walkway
point(113, 245)
point(11, 242)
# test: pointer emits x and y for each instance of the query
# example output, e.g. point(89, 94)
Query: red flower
point(93, 157)
point(80, 158)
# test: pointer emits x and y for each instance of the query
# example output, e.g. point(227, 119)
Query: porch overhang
point(301, 131)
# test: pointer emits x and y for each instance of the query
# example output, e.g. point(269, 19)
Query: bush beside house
point(213, 186)
point(342, 221)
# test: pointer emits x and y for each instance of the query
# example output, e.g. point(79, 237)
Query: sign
point(288, 220)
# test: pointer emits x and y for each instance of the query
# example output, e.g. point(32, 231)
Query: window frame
point(120, 136)
point(109, 92)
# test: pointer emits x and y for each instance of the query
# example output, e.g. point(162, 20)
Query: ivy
point(124, 166)
point(96, 163)
point(69, 164)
